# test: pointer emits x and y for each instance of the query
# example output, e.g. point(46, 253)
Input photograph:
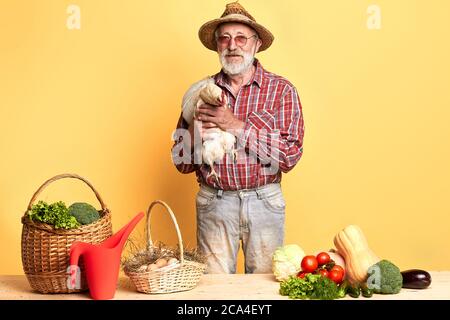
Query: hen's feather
point(191, 98)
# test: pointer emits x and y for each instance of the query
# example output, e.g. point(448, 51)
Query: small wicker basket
point(181, 277)
point(46, 250)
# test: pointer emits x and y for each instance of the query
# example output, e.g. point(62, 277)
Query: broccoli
point(84, 212)
point(385, 278)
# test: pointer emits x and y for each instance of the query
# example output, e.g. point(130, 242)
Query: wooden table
point(216, 287)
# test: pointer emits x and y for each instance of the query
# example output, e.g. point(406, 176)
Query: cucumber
point(366, 291)
point(354, 290)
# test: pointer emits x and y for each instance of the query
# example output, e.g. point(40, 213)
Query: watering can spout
point(102, 261)
point(120, 237)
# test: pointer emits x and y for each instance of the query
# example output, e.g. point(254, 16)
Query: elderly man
point(245, 205)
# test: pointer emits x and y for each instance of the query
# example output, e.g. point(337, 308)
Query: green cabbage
point(286, 261)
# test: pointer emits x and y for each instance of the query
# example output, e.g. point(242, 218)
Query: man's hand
point(220, 116)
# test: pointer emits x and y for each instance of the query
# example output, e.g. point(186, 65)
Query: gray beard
point(233, 69)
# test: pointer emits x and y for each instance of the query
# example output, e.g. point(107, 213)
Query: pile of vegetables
point(322, 264)
point(58, 215)
point(359, 272)
point(319, 278)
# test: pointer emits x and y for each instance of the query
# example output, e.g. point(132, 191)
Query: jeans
point(254, 217)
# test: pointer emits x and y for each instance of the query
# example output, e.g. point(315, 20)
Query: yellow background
point(103, 102)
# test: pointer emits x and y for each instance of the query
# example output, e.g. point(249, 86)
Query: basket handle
point(174, 220)
point(62, 176)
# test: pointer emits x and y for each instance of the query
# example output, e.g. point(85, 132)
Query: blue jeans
point(225, 218)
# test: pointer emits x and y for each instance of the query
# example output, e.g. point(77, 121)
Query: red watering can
point(102, 261)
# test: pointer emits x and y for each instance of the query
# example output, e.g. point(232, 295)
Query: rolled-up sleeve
point(276, 135)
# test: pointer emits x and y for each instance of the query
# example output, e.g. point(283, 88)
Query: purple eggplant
point(416, 279)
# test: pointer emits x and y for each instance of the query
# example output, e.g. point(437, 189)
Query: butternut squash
point(352, 245)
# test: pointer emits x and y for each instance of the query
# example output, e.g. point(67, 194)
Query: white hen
point(216, 142)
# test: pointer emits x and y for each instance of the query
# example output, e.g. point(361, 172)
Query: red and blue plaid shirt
point(272, 139)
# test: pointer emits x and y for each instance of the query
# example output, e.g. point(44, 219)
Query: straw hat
point(234, 12)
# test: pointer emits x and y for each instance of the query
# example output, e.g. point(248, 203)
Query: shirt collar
point(221, 77)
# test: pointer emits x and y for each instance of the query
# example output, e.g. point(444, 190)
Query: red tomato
point(309, 264)
point(338, 268)
point(301, 274)
point(323, 258)
point(323, 272)
point(336, 274)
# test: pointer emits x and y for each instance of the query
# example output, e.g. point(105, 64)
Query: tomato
point(301, 275)
point(323, 273)
point(323, 258)
point(309, 264)
point(336, 274)
point(338, 268)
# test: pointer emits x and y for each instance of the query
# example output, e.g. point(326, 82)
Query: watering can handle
point(76, 250)
point(174, 220)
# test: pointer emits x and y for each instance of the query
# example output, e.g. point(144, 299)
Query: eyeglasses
point(239, 40)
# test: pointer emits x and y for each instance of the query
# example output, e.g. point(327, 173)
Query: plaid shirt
point(272, 139)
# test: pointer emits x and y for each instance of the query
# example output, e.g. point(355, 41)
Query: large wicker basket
point(46, 250)
point(184, 276)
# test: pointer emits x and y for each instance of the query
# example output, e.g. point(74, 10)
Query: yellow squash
point(352, 245)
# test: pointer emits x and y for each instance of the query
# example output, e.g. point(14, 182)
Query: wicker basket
point(46, 250)
point(181, 277)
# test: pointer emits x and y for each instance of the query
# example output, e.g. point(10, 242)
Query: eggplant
point(416, 279)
